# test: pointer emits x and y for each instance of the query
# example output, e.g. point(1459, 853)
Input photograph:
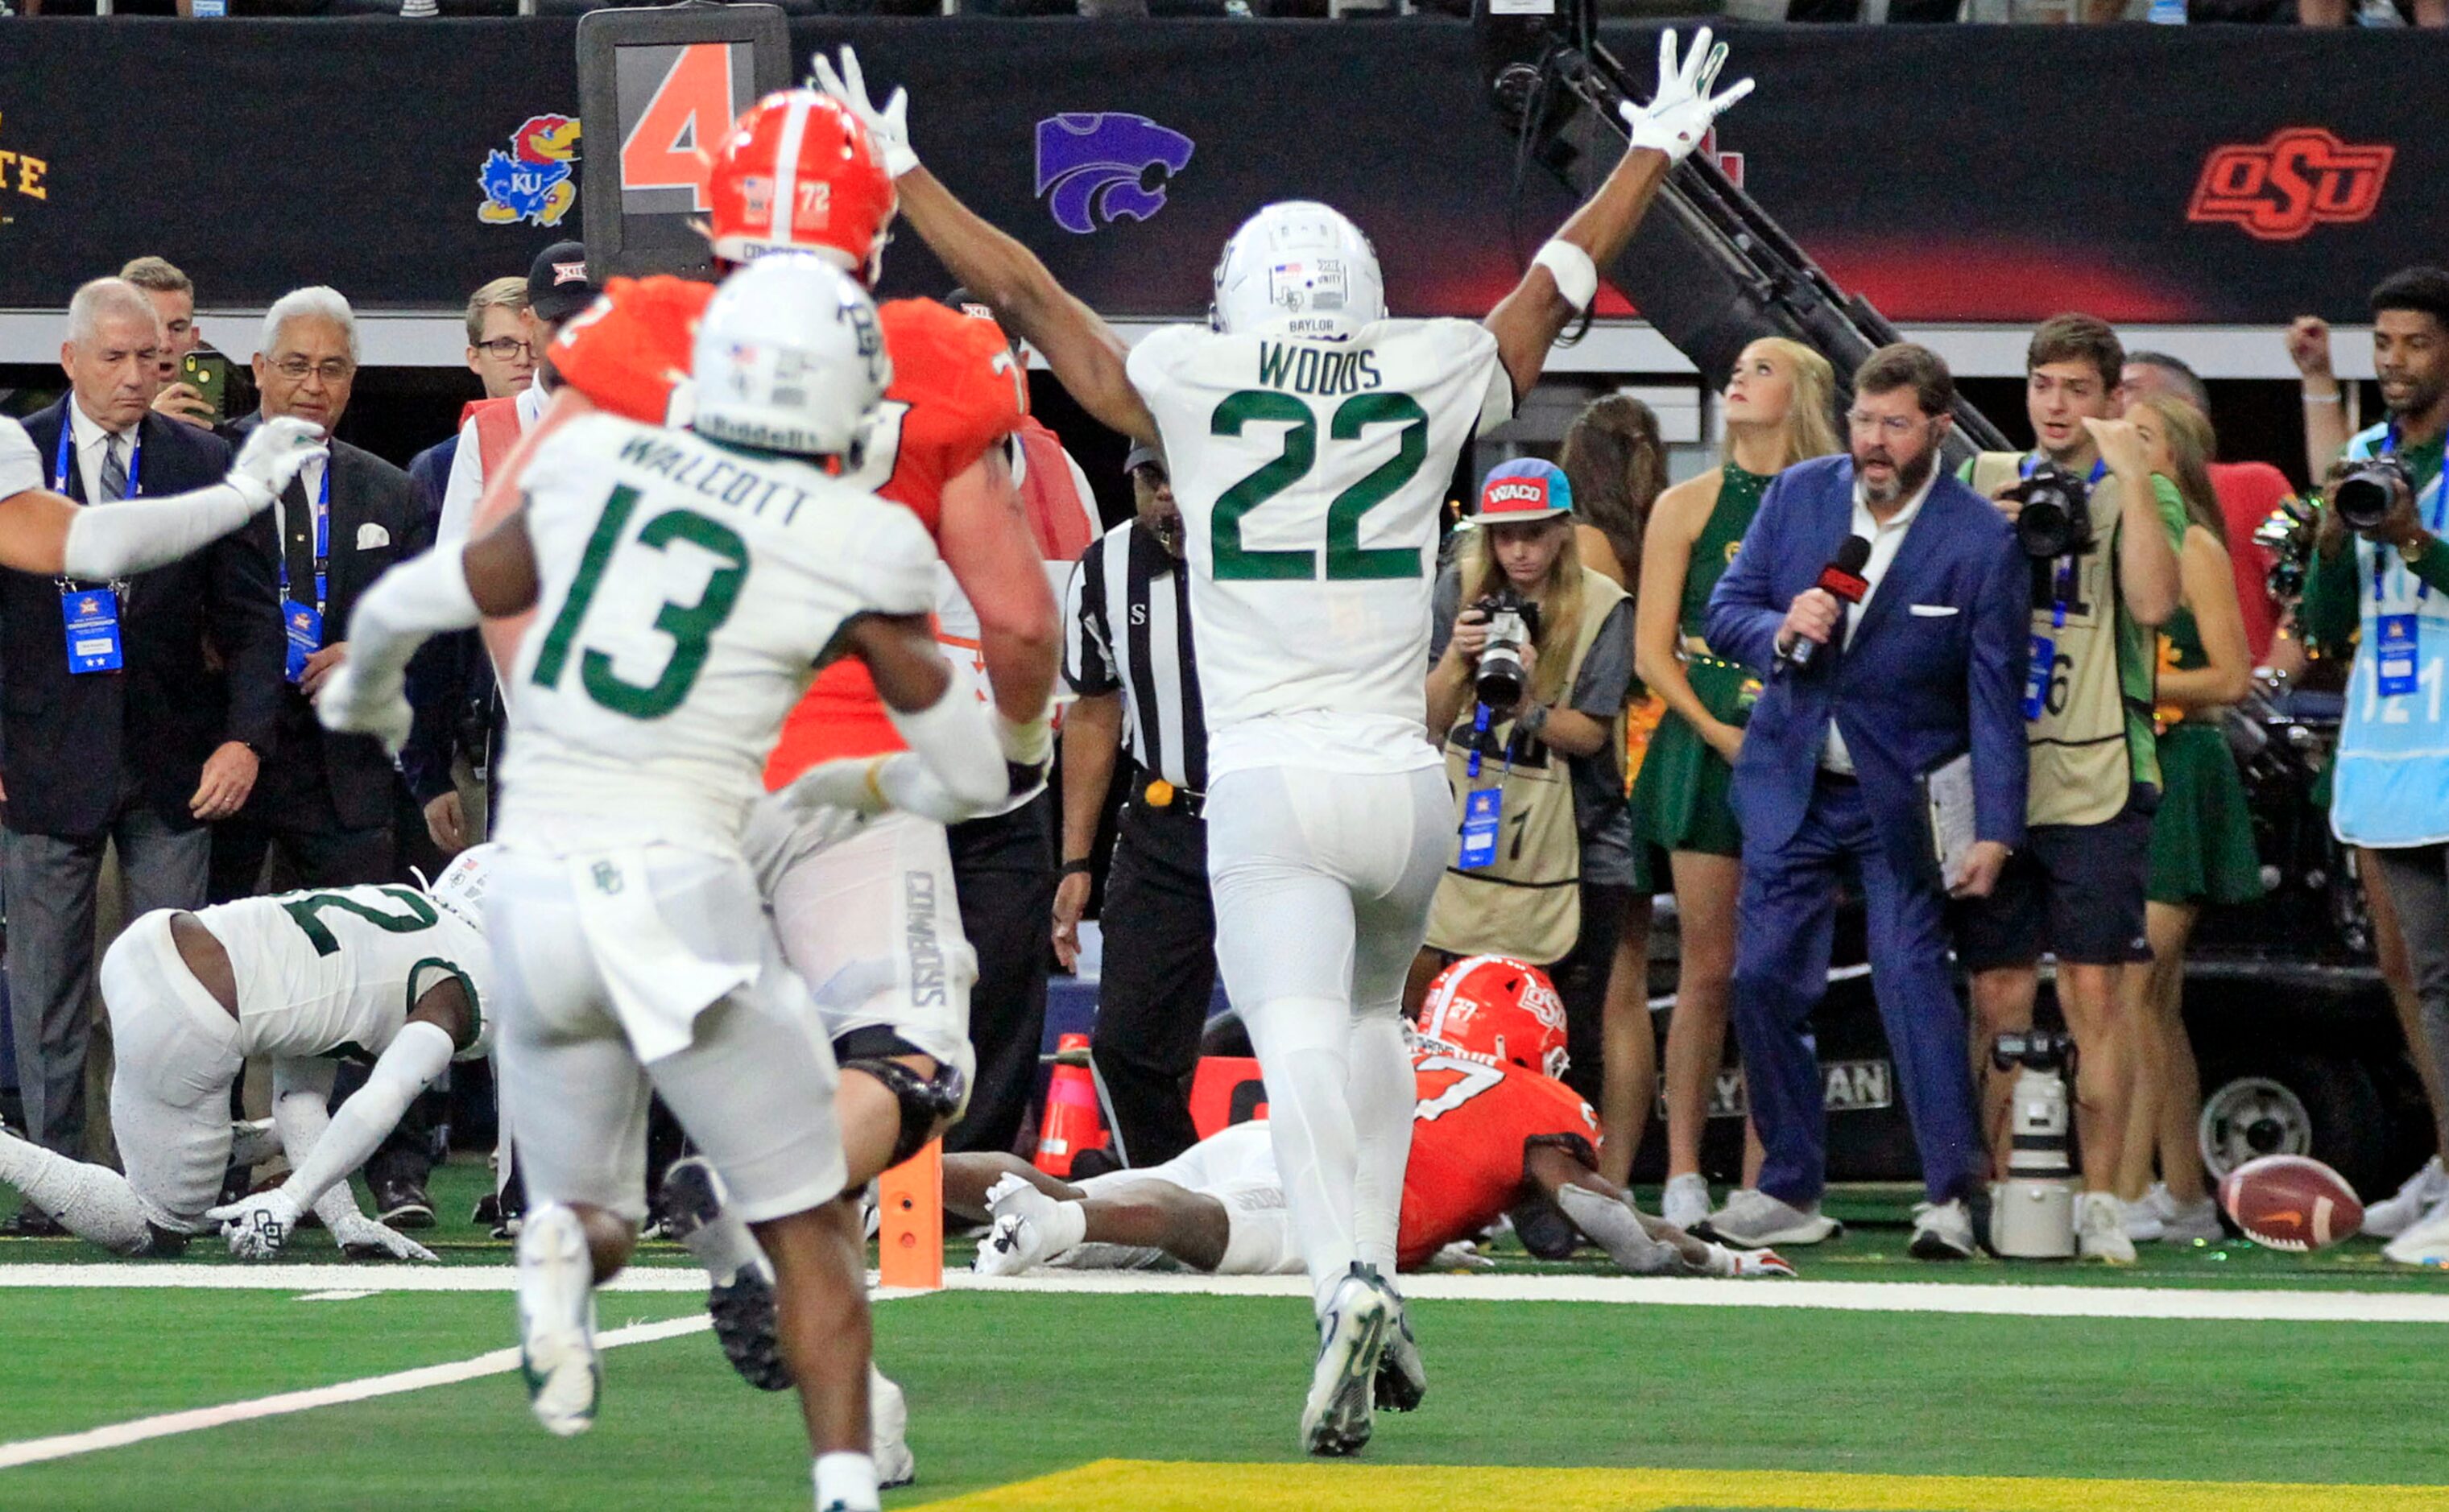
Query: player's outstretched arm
point(41, 531)
point(258, 1227)
point(985, 538)
point(1563, 276)
point(448, 588)
point(1087, 355)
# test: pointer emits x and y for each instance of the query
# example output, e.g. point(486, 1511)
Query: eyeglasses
point(502, 349)
point(331, 369)
point(1895, 426)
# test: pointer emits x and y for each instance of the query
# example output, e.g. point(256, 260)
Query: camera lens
point(2363, 497)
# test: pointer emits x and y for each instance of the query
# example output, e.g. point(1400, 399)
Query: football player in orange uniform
point(1491, 1127)
point(1485, 1137)
point(866, 917)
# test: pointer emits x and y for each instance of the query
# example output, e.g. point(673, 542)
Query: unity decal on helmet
point(1094, 169)
point(531, 181)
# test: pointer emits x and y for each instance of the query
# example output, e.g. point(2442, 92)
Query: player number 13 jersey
point(1310, 475)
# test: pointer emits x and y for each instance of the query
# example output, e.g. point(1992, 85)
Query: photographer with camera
point(2386, 591)
point(2101, 533)
point(1532, 654)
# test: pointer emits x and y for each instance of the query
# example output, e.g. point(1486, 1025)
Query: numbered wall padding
point(2296, 175)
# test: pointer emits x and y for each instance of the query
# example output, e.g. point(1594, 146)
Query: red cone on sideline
point(1073, 1123)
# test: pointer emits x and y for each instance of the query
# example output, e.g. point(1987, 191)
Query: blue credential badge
point(1480, 813)
point(2036, 676)
point(2395, 664)
point(303, 622)
point(91, 616)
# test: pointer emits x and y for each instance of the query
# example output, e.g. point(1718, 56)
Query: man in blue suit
point(1930, 665)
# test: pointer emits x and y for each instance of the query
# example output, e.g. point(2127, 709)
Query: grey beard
point(1909, 478)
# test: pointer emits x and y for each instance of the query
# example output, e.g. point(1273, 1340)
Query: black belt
point(1842, 779)
point(1159, 796)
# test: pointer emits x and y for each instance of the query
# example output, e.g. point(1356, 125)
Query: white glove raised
point(1681, 113)
point(890, 127)
point(363, 1239)
point(351, 703)
point(258, 1227)
point(273, 452)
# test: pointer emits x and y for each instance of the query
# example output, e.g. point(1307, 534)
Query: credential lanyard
point(2440, 508)
point(60, 462)
point(2062, 579)
point(323, 511)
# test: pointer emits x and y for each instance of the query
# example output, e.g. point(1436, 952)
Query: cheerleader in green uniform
point(2201, 838)
point(1780, 407)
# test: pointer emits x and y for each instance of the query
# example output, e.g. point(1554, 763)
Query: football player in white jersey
point(393, 974)
point(1309, 438)
point(687, 587)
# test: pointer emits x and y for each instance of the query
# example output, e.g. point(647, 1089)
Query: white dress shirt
point(1885, 537)
point(87, 438)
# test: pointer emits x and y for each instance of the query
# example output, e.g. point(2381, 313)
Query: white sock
point(1065, 1228)
point(91, 1201)
point(1380, 1091)
point(847, 1482)
point(1303, 1047)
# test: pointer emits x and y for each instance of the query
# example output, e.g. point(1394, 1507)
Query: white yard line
point(1994, 1299)
point(498, 1362)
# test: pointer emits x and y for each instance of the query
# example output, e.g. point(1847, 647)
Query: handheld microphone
point(1842, 578)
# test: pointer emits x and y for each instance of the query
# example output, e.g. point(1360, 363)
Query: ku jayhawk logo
point(531, 181)
point(1094, 169)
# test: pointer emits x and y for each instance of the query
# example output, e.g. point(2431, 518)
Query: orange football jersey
point(957, 390)
point(630, 349)
point(1472, 1128)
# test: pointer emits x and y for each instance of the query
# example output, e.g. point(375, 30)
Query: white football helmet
point(1299, 269)
point(790, 357)
point(460, 890)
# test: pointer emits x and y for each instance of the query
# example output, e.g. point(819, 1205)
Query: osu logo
point(2301, 177)
point(531, 180)
point(1094, 169)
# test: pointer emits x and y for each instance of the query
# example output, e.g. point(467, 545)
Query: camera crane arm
point(1708, 267)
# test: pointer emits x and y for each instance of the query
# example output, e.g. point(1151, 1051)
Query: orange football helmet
point(1499, 1010)
point(798, 173)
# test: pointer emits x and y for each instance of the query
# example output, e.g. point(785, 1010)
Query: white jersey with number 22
point(687, 590)
point(1310, 475)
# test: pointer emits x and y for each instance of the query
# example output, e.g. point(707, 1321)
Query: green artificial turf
point(1005, 1387)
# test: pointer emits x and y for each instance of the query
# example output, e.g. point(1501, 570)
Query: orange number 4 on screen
point(672, 146)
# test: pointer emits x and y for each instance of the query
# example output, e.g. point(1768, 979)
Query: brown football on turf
point(2291, 1202)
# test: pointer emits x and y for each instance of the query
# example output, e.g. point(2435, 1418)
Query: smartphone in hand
point(207, 372)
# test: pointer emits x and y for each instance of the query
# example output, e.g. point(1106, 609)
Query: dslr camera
point(1512, 623)
point(2057, 518)
point(2364, 497)
point(2288, 535)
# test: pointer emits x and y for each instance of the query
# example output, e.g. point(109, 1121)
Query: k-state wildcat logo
point(1094, 169)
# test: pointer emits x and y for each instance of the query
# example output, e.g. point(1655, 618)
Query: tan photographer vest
point(1527, 901)
point(2082, 745)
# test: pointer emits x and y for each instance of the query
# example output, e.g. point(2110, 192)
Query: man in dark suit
point(327, 800)
point(114, 731)
point(1929, 666)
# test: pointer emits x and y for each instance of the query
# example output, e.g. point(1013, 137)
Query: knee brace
point(928, 1105)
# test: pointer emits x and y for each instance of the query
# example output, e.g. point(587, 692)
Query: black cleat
point(34, 1223)
point(743, 1308)
point(402, 1203)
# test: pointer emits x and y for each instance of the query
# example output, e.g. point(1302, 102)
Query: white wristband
point(1576, 276)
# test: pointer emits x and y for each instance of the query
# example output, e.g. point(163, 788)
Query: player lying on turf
point(1309, 439)
point(687, 587)
point(304, 980)
point(1486, 1135)
point(42, 530)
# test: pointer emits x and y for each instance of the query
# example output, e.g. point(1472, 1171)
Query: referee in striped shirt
point(1127, 653)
